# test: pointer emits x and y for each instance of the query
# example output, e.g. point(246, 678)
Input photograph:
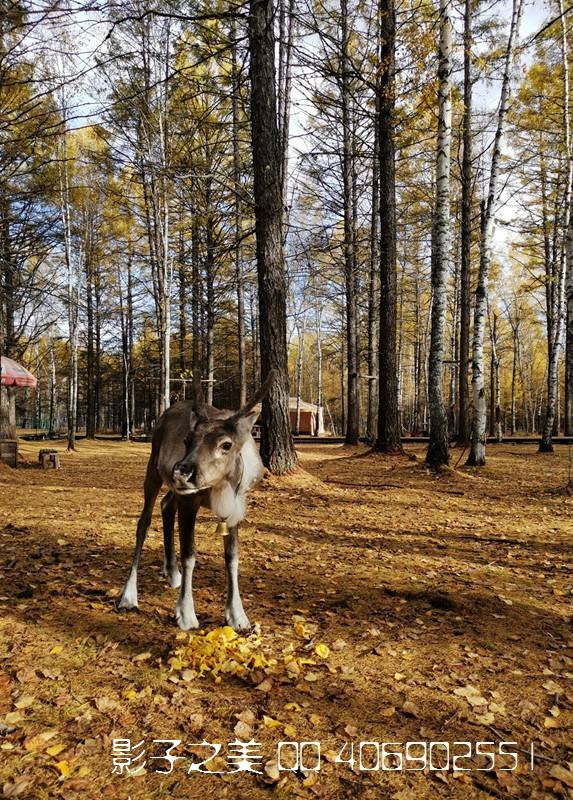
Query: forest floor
point(436, 608)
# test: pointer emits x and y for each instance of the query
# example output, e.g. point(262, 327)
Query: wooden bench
point(47, 457)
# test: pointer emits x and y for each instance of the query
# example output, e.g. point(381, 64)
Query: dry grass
point(421, 585)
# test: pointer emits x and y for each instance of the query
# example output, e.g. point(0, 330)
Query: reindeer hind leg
point(170, 568)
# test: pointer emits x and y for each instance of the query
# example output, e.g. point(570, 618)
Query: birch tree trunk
point(438, 448)
point(466, 234)
point(388, 434)
point(210, 290)
point(277, 449)
point(514, 321)
point(182, 274)
point(52, 388)
point(195, 297)
point(125, 316)
point(90, 377)
point(562, 285)
point(495, 397)
point(73, 259)
point(418, 366)
point(477, 452)
point(319, 430)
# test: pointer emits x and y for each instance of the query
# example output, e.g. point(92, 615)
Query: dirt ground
point(434, 609)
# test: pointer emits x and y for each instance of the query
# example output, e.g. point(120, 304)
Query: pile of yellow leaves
point(223, 652)
point(219, 652)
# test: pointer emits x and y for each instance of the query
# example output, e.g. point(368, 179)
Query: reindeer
point(206, 457)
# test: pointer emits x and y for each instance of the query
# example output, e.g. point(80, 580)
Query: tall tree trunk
point(466, 233)
point(210, 287)
point(388, 435)
point(287, 23)
point(125, 420)
point(90, 372)
point(477, 452)
point(352, 385)
point(453, 393)
point(195, 296)
point(277, 449)
point(319, 430)
point(418, 364)
point(51, 423)
point(374, 291)
point(239, 277)
point(561, 283)
point(515, 355)
point(299, 366)
point(72, 260)
point(438, 449)
point(97, 350)
point(255, 343)
point(495, 384)
point(7, 404)
point(342, 374)
point(182, 300)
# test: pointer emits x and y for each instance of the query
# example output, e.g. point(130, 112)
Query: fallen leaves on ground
point(393, 605)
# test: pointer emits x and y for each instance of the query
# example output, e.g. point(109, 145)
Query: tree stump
point(47, 456)
point(9, 452)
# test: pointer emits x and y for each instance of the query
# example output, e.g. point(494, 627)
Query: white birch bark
point(477, 451)
point(73, 259)
point(319, 430)
point(568, 268)
point(438, 451)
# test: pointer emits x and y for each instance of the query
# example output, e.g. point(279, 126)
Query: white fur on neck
point(230, 505)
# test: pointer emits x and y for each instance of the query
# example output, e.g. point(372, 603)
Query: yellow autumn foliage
point(220, 651)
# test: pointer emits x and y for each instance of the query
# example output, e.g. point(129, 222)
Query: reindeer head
point(214, 442)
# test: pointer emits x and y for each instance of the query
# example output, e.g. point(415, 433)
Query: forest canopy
point(421, 155)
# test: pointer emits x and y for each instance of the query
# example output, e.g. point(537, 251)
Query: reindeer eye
point(226, 445)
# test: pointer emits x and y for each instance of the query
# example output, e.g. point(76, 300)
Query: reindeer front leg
point(170, 568)
point(185, 610)
point(234, 612)
point(152, 485)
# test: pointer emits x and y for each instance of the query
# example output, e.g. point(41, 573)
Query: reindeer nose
point(185, 471)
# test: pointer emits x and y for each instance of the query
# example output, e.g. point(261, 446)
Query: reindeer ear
point(250, 419)
point(263, 390)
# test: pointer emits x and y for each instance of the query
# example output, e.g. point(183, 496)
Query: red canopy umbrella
point(14, 374)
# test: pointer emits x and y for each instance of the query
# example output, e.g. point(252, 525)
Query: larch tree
point(348, 166)
point(277, 448)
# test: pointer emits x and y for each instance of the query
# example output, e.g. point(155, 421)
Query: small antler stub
point(222, 528)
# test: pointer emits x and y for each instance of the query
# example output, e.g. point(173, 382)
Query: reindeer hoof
point(125, 605)
point(128, 600)
point(237, 620)
point(174, 579)
point(173, 576)
point(186, 621)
